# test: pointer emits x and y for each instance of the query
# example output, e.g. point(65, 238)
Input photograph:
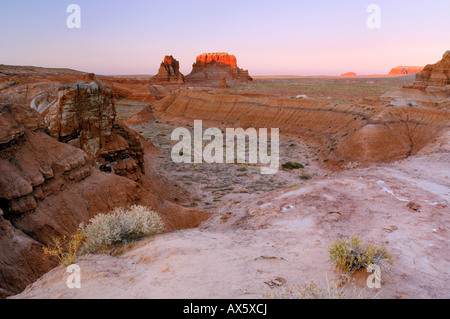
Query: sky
point(283, 37)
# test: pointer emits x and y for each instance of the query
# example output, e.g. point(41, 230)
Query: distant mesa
point(211, 67)
point(223, 83)
point(431, 86)
point(405, 70)
point(349, 74)
point(169, 72)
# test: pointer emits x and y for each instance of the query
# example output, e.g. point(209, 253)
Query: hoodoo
point(211, 67)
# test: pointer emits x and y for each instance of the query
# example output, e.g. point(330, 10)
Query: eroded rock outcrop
point(47, 188)
point(83, 115)
point(437, 74)
point(169, 72)
point(349, 74)
point(211, 67)
point(405, 70)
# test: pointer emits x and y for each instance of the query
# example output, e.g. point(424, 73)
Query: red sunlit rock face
point(211, 67)
point(405, 70)
point(349, 74)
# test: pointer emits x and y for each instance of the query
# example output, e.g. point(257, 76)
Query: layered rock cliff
point(211, 67)
point(405, 70)
point(431, 86)
point(83, 115)
point(344, 133)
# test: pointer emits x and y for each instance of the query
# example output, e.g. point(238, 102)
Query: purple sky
point(268, 37)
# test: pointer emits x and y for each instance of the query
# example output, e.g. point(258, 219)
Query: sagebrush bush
point(350, 255)
point(291, 165)
point(120, 226)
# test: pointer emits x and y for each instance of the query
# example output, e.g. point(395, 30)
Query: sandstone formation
point(344, 134)
point(349, 74)
point(47, 188)
point(405, 70)
point(169, 72)
point(223, 83)
point(211, 67)
point(431, 86)
point(83, 115)
point(437, 74)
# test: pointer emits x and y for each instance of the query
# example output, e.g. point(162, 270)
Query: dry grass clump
point(66, 250)
point(350, 255)
point(120, 226)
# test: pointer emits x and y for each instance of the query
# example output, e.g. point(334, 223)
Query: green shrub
point(351, 255)
point(292, 165)
point(120, 226)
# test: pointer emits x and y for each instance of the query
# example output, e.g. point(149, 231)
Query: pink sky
point(289, 37)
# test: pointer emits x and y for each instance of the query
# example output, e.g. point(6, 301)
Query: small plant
point(120, 226)
point(351, 255)
point(291, 165)
point(66, 250)
point(305, 177)
point(313, 291)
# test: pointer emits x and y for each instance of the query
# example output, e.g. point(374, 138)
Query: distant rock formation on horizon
point(405, 70)
point(349, 74)
point(169, 72)
point(211, 67)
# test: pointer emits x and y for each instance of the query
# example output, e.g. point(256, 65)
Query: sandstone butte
point(405, 70)
point(350, 74)
point(209, 68)
point(54, 168)
point(169, 72)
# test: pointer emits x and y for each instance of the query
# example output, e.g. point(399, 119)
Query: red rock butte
point(220, 57)
point(211, 67)
point(405, 70)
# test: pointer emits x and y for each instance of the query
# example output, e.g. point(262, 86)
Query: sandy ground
point(258, 246)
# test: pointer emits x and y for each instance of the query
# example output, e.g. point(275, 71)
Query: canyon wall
point(343, 133)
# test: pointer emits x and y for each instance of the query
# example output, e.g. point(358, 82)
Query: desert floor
point(271, 233)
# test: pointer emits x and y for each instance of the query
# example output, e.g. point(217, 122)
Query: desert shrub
point(66, 250)
point(305, 177)
point(291, 165)
point(350, 255)
point(120, 226)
